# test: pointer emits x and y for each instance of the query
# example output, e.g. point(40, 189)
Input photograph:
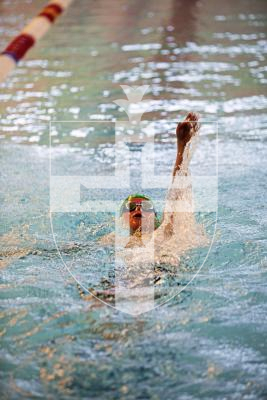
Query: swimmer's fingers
point(193, 118)
point(188, 128)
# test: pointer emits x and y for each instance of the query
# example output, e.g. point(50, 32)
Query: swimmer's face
point(139, 214)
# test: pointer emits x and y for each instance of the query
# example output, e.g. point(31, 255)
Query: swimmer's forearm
point(177, 165)
point(179, 159)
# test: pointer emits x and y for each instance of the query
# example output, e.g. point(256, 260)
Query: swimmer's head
point(138, 211)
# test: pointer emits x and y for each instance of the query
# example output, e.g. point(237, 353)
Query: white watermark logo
point(137, 252)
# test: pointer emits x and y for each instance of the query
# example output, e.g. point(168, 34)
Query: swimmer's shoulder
point(108, 239)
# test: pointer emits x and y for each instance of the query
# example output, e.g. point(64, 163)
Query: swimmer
point(138, 214)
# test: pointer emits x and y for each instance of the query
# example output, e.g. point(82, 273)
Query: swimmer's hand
point(188, 128)
point(185, 131)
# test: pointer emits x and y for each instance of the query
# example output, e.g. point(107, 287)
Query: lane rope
point(30, 34)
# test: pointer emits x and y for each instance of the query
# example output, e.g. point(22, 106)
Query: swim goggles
point(146, 206)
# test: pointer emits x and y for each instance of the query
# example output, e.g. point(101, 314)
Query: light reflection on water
point(208, 342)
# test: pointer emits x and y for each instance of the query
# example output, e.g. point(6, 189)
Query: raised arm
point(184, 132)
point(179, 230)
point(174, 221)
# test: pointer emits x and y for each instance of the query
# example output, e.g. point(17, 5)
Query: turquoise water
point(210, 340)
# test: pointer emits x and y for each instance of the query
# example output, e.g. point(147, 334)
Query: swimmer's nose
point(138, 211)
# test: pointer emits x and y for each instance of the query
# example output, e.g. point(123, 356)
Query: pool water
point(208, 341)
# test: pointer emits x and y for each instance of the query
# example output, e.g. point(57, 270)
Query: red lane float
point(51, 12)
point(19, 46)
point(34, 31)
